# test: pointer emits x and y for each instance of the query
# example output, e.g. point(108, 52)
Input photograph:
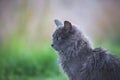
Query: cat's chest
point(71, 66)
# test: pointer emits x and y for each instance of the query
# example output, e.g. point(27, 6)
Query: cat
point(77, 57)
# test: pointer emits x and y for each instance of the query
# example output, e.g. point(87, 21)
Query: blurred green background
point(26, 27)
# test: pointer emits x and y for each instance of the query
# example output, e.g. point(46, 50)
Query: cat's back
point(101, 66)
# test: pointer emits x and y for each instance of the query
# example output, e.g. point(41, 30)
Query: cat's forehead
point(58, 31)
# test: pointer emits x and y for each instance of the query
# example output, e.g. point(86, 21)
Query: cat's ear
point(58, 23)
point(67, 25)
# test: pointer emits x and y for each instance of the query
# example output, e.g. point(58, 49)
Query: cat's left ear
point(67, 25)
point(58, 23)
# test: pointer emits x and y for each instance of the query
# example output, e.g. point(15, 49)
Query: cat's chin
point(56, 49)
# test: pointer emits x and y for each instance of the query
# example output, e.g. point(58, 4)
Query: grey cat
point(79, 60)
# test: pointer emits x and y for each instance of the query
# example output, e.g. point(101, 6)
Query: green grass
point(17, 77)
point(19, 61)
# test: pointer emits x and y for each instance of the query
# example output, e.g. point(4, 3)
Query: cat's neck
point(73, 52)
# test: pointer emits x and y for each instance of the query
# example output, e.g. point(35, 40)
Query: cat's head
point(65, 36)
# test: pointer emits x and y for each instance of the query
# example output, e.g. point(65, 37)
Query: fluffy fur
point(78, 60)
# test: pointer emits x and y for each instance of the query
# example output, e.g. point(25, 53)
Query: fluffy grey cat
point(78, 60)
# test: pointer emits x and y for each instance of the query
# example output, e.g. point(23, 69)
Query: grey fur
point(79, 61)
point(58, 22)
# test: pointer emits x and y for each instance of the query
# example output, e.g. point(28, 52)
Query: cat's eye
point(59, 38)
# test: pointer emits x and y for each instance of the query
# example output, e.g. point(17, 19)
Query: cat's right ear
point(58, 23)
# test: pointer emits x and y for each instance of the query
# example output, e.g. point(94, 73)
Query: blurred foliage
point(112, 44)
point(18, 60)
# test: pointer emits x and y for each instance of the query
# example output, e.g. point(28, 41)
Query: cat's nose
point(52, 45)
